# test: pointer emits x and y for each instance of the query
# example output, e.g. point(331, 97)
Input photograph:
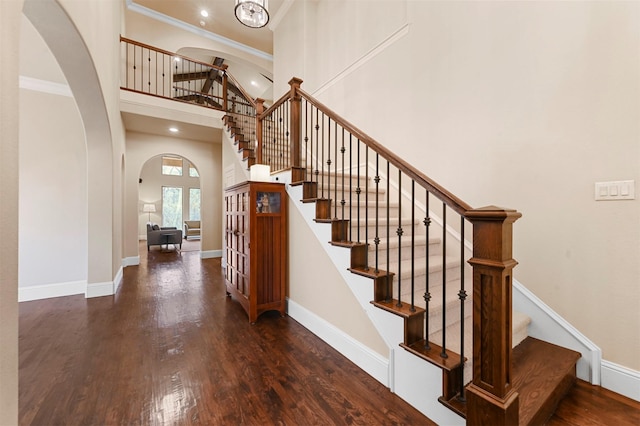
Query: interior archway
point(66, 43)
point(163, 177)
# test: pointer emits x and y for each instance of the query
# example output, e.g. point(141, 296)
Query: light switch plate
point(615, 190)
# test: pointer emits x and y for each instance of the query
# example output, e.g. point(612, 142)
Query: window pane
point(172, 166)
point(194, 203)
point(172, 206)
point(193, 172)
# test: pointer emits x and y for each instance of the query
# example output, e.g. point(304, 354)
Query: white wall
point(519, 104)
point(53, 192)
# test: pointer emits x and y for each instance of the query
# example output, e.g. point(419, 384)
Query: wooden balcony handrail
point(175, 55)
point(247, 97)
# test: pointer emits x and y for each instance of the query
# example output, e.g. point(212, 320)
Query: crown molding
point(282, 11)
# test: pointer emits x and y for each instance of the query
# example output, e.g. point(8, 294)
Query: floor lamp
point(149, 208)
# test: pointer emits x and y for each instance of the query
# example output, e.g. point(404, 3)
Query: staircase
point(394, 224)
point(433, 293)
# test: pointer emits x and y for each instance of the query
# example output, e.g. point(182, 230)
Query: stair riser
point(351, 211)
point(435, 303)
point(435, 281)
point(420, 252)
point(328, 190)
point(349, 179)
point(407, 230)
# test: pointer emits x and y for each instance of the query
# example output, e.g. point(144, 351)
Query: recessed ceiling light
point(173, 129)
point(253, 83)
point(204, 13)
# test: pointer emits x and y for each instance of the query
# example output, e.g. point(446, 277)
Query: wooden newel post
point(491, 400)
point(259, 111)
point(295, 124)
point(225, 96)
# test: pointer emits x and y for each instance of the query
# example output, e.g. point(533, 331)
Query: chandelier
point(252, 13)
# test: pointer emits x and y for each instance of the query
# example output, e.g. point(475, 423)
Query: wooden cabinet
point(256, 246)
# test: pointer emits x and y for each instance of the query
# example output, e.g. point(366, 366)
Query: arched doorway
point(169, 191)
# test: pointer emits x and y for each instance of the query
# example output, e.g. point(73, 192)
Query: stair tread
point(542, 374)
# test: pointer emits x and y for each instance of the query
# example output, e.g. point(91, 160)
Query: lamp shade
point(149, 208)
point(252, 13)
point(260, 173)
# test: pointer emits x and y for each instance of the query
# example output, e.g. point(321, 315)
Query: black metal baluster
point(286, 153)
point(443, 354)
point(328, 173)
point(462, 295)
point(399, 232)
point(156, 73)
point(413, 244)
point(389, 287)
point(343, 201)
point(306, 137)
point(164, 83)
point(358, 191)
point(366, 200)
point(335, 169)
point(376, 240)
point(350, 187)
point(427, 294)
point(317, 172)
point(322, 150)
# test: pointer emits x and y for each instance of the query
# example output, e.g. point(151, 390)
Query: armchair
point(191, 229)
point(159, 236)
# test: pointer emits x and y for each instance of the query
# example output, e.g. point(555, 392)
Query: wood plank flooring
point(595, 406)
point(170, 348)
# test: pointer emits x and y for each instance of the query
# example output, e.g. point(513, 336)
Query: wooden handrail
point(276, 104)
point(175, 55)
point(241, 89)
point(451, 200)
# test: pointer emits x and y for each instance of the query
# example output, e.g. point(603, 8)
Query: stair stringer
point(231, 157)
point(414, 380)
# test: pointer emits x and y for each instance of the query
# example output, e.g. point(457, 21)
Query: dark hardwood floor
point(592, 405)
point(170, 348)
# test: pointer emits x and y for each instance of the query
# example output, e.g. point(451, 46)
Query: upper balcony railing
point(157, 72)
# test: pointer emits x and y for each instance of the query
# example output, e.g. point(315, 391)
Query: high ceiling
point(221, 19)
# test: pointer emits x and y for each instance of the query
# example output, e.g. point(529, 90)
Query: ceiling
point(220, 21)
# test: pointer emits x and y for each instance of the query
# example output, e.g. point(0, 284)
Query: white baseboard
point(130, 261)
point(209, 254)
point(47, 291)
point(620, 380)
point(117, 281)
point(100, 289)
point(370, 361)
